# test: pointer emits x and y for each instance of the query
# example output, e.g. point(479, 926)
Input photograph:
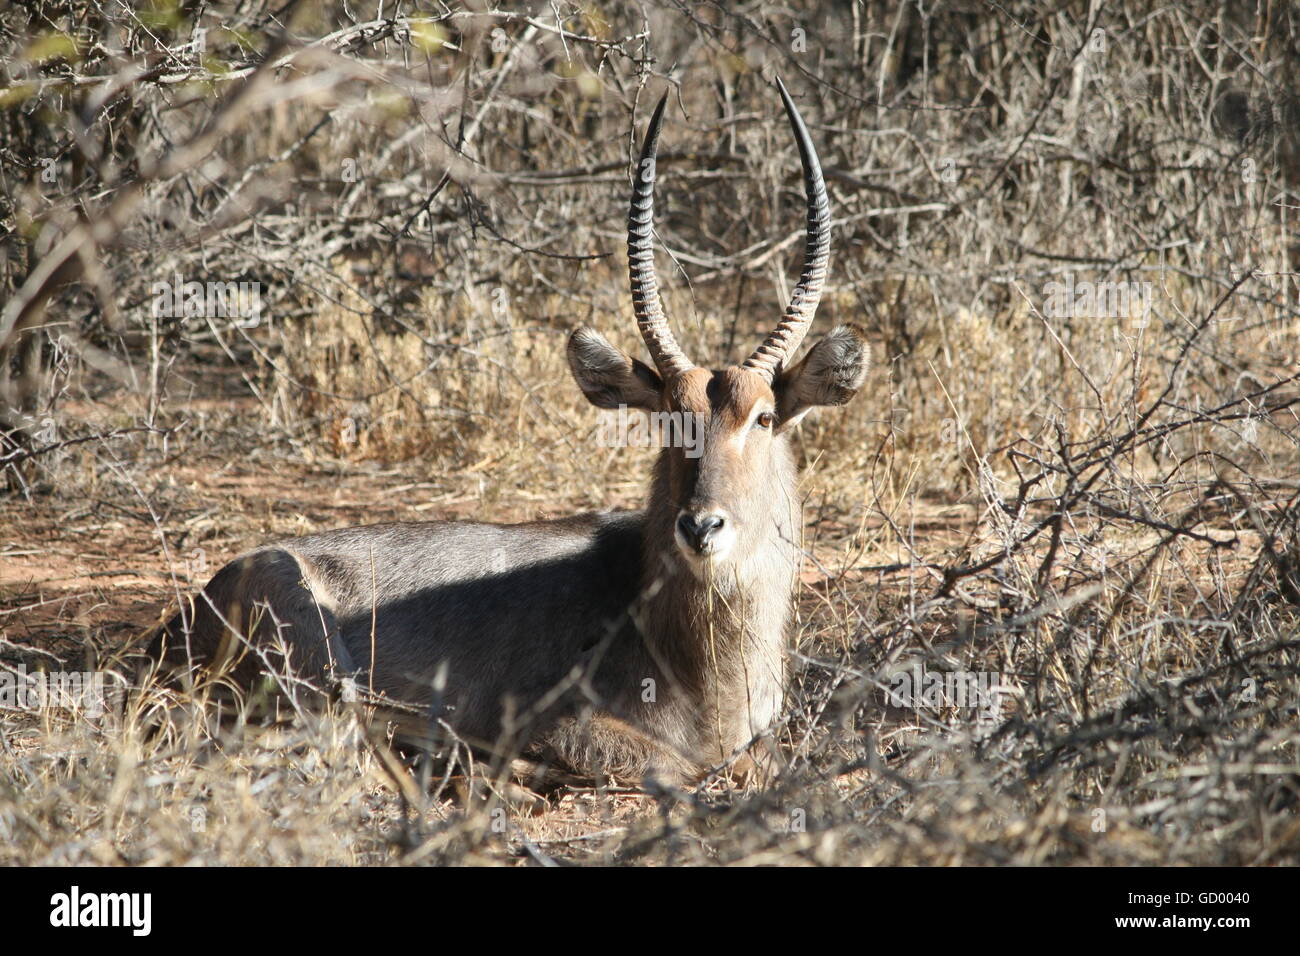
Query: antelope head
point(725, 490)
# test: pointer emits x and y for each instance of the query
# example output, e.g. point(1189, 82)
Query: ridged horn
point(650, 320)
point(783, 341)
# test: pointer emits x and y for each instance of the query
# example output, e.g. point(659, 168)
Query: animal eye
point(765, 420)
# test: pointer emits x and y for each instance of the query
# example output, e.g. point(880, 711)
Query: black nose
point(697, 529)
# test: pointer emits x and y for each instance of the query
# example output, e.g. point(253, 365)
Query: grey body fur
point(591, 606)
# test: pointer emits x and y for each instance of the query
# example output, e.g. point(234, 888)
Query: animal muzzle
point(704, 533)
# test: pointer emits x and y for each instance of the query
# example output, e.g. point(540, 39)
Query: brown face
point(724, 457)
point(729, 468)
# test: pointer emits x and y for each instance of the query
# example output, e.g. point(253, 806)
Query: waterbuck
point(630, 644)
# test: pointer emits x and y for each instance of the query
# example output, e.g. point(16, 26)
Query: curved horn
point(783, 341)
point(668, 357)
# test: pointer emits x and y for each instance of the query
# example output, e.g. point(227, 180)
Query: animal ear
point(608, 376)
point(830, 374)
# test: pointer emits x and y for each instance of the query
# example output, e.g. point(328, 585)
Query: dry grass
point(1102, 513)
point(1128, 702)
